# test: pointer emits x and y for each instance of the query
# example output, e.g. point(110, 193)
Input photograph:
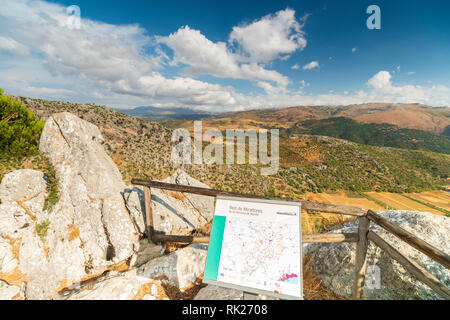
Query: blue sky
point(226, 55)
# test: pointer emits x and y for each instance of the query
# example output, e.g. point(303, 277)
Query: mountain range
point(163, 114)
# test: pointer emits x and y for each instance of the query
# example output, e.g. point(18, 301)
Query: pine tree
point(20, 130)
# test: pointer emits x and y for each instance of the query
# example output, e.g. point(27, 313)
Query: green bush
point(42, 228)
point(20, 130)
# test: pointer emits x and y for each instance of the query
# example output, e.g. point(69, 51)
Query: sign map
point(256, 246)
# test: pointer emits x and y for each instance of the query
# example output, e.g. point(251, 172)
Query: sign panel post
point(255, 246)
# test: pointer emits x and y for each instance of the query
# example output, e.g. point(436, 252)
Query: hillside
point(411, 116)
point(308, 163)
point(373, 134)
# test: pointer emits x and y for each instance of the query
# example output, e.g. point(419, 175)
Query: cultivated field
point(440, 199)
point(400, 202)
point(345, 199)
point(318, 222)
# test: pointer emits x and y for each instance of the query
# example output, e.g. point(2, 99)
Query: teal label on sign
point(215, 248)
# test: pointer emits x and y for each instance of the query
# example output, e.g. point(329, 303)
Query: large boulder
point(334, 263)
point(173, 212)
point(89, 229)
point(178, 270)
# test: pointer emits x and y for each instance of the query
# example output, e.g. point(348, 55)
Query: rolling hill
point(410, 116)
point(373, 134)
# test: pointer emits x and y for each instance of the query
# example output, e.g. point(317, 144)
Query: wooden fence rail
point(412, 240)
point(411, 266)
point(307, 205)
point(306, 238)
point(361, 238)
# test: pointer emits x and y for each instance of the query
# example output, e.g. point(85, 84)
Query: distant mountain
point(411, 116)
point(163, 114)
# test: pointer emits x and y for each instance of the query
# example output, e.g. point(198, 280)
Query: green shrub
point(52, 187)
point(20, 130)
point(42, 228)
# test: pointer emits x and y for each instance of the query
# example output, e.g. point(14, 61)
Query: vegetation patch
point(42, 228)
point(52, 188)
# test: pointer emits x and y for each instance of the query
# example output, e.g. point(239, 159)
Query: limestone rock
point(124, 286)
point(135, 203)
point(88, 230)
point(212, 292)
point(334, 263)
point(147, 252)
point(181, 267)
point(90, 187)
point(173, 212)
point(32, 185)
point(8, 292)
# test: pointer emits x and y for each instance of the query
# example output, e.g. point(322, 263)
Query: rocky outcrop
point(173, 212)
point(334, 263)
point(90, 189)
point(89, 229)
point(95, 229)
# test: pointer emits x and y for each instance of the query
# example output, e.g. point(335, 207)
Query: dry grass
point(177, 195)
point(313, 289)
point(74, 232)
point(147, 289)
point(187, 293)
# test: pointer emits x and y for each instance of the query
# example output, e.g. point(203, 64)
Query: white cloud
point(49, 92)
point(203, 56)
point(354, 50)
point(311, 65)
point(384, 90)
point(104, 56)
point(11, 46)
point(269, 37)
point(381, 80)
point(295, 67)
point(304, 84)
